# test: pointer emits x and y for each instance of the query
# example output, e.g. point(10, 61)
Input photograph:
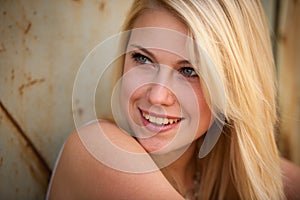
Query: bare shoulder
point(291, 179)
point(88, 168)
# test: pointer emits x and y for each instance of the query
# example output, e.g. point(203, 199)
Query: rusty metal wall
point(42, 44)
point(288, 59)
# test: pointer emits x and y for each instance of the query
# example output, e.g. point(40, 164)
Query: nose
point(158, 94)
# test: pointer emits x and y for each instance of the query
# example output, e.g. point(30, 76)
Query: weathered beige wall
point(43, 43)
point(284, 22)
point(288, 57)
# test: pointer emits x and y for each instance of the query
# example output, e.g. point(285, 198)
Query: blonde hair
point(245, 161)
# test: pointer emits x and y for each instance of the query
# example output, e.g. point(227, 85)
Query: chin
point(160, 147)
point(153, 145)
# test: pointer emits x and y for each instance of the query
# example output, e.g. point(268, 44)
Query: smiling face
point(161, 92)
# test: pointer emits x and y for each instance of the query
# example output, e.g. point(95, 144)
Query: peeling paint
point(28, 28)
point(2, 48)
point(80, 111)
point(102, 6)
point(37, 166)
point(1, 161)
point(54, 34)
point(77, 2)
point(30, 83)
point(12, 77)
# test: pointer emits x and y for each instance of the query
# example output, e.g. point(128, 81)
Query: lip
point(158, 128)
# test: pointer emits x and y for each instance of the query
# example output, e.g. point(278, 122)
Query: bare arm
point(80, 176)
point(291, 179)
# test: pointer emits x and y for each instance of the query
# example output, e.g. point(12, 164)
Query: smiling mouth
point(160, 121)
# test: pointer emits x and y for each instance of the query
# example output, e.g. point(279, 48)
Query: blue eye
point(140, 58)
point(188, 72)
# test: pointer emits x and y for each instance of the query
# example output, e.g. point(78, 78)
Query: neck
point(181, 172)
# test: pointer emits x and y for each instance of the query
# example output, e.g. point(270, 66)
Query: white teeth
point(146, 116)
point(159, 120)
point(166, 121)
point(152, 119)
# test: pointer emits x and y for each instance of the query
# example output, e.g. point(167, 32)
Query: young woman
point(197, 98)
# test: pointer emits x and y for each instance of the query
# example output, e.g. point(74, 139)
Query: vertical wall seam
point(27, 139)
point(276, 31)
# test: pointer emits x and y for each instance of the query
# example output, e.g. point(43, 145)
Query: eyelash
point(193, 75)
point(138, 56)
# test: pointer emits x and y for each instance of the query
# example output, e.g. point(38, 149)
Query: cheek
point(205, 115)
point(135, 76)
point(198, 111)
point(130, 93)
point(131, 87)
point(130, 81)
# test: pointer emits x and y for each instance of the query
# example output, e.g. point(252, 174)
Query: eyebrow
point(181, 62)
point(143, 49)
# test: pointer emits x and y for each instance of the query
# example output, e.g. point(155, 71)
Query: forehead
point(160, 18)
point(159, 29)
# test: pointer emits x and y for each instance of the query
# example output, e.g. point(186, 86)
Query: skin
point(159, 98)
point(91, 179)
point(291, 179)
point(171, 76)
point(79, 175)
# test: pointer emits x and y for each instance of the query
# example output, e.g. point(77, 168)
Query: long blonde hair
point(245, 161)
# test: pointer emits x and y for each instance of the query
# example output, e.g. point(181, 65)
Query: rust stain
point(282, 38)
point(27, 28)
point(1, 161)
point(32, 172)
point(2, 48)
point(41, 176)
point(102, 6)
point(42, 167)
point(30, 83)
point(12, 77)
point(50, 89)
point(11, 141)
point(80, 111)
